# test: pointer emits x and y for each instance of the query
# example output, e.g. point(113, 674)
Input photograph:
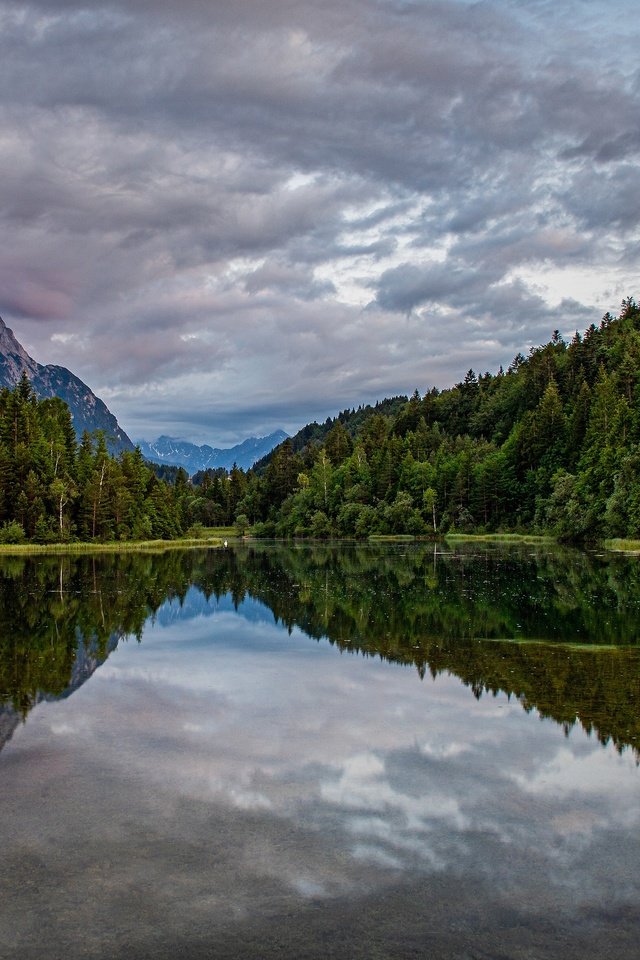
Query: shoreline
point(216, 541)
point(115, 546)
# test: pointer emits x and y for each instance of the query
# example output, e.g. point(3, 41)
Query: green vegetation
point(392, 537)
point(108, 546)
point(624, 546)
point(499, 537)
point(551, 446)
point(54, 489)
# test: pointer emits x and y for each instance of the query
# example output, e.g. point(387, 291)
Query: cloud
point(185, 183)
point(409, 285)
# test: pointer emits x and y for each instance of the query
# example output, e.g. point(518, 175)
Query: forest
point(56, 489)
point(550, 445)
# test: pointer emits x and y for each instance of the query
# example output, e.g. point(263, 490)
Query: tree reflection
point(555, 629)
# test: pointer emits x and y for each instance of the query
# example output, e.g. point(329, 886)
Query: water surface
point(351, 752)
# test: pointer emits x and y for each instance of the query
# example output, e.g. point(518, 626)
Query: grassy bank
point(467, 537)
point(501, 537)
point(116, 546)
point(222, 533)
point(207, 537)
point(216, 536)
point(391, 537)
point(618, 545)
point(622, 546)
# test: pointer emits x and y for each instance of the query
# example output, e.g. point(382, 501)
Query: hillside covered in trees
point(552, 444)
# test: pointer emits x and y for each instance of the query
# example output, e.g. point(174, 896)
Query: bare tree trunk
point(96, 501)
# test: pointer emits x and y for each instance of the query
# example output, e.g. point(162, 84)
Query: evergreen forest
point(550, 445)
point(54, 488)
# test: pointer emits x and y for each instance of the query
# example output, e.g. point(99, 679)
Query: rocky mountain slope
point(88, 411)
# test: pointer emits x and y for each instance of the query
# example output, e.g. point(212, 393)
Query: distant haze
point(230, 218)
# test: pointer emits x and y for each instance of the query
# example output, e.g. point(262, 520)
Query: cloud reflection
point(250, 764)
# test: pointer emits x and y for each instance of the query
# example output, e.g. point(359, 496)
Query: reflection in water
point(226, 788)
point(555, 629)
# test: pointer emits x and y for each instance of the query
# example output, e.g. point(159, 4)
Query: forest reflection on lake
point(228, 788)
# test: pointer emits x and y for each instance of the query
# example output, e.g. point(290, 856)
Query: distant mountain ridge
point(88, 412)
point(191, 456)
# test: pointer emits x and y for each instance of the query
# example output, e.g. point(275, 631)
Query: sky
point(233, 217)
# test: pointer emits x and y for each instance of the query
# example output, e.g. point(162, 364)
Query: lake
point(321, 751)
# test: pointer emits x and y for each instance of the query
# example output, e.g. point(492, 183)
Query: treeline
point(54, 488)
point(552, 444)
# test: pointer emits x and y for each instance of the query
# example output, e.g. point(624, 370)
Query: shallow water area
point(319, 751)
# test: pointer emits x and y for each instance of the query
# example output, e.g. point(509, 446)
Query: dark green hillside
point(551, 444)
point(314, 434)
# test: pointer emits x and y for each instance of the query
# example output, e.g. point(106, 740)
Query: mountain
point(87, 411)
point(194, 458)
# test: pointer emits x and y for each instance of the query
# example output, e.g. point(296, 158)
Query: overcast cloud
point(232, 217)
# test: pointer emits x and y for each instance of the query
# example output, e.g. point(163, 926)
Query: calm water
point(315, 752)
